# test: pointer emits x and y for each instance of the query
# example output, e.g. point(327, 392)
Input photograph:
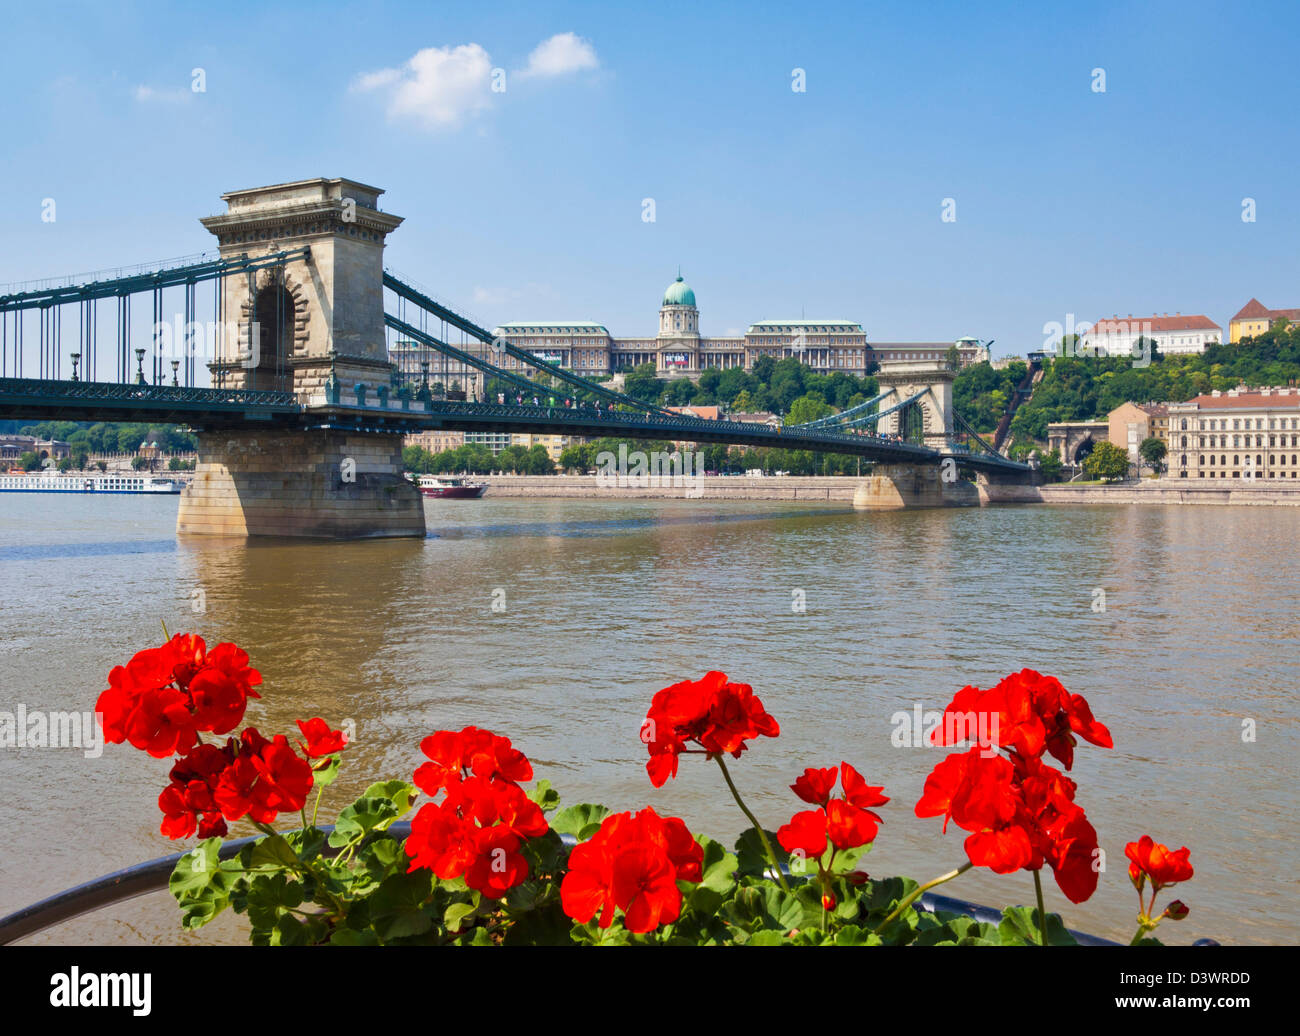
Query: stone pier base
point(894, 487)
point(322, 484)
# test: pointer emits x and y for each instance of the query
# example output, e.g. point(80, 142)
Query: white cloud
point(563, 53)
point(438, 87)
point(145, 94)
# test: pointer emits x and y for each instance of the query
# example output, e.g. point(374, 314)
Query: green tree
point(1050, 465)
point(29, 461)
point(809, 407)
point(743, 403)
point(1106, 462)
point(1153, 451)
point(139, 463)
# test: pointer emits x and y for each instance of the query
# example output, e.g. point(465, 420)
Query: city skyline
point(528, 203)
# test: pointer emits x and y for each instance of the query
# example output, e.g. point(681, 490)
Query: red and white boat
point(451, 488)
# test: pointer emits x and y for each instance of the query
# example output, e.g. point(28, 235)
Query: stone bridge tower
point(304, 326)
point(296, 323)
point(929, 420)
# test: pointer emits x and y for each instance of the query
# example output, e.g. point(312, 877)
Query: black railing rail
point(146, 878)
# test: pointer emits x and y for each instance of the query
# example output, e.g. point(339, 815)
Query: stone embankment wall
point(842, 489)
point(1223, 492)
point(706, 487)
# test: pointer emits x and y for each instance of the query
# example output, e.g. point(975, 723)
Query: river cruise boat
point(451, 488)
point(17, 482)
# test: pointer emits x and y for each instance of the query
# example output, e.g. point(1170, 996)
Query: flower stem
point(909, 900)
point(1042, 914)
point(762, 835)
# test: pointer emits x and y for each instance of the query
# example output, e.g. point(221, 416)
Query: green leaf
point(846, 860)
point(201, 885)
point(397, 907)
point(272, 852)
point(582, 820)
point(768, 937)
point(852, 935)
point(703, 900)
point(752, 858)
point(544, 854)
point(767, 906)
point(400, 793)
point(382, 857)
point(545, 796)
point(306, 842)
point(270, 896)
point(719, 867)
point(325, 776)
point(369, 813)
point(1019, 927)
point(352, 937)
point(457, 913)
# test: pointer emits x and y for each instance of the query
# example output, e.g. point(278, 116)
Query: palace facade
point(679, 350)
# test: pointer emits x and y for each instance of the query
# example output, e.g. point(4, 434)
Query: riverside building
point(1241, 433)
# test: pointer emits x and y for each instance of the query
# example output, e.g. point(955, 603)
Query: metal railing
point(153, 876)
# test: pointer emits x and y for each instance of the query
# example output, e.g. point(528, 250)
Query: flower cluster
point(165, 697)
point(846, 822)
point(480, 825)
point(1030, 713)
point(250, 777)
point(1164, 867)
point(712, 712)
point(633, 864)
point(1019, 811)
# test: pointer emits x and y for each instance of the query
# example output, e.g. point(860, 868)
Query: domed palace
point(679, 350)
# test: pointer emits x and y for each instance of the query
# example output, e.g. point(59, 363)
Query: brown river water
point(606, 601)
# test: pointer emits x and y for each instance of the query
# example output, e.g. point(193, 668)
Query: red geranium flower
point(164, 696)
point(1020, 815)
point(476, 831)
point(815, 786)
point(633, 864)
point(266, 778)
point(716, 714)
point(321, 740)
point(805, 834)
point(1162, 865)
point(1026, 712)
point(472, 750)
point(188, 802)
point(846, 822)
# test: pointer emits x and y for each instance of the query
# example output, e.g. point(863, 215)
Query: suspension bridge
point(318, 361)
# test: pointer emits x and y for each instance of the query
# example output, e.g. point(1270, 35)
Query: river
point(601, 602)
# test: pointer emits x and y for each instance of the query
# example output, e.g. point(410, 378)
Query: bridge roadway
point(215, 408)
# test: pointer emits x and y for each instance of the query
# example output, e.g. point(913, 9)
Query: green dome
point(679, 294)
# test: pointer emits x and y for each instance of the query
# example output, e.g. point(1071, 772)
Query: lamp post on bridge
point(139, 363)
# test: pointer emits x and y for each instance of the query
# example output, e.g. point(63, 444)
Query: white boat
point(12, 482)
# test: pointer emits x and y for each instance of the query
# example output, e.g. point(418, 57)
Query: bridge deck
point(38, 399)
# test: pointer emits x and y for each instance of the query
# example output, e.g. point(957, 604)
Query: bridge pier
point(324, 484)
point(895, 487)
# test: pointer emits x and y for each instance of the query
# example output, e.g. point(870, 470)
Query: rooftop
point(1177, 322)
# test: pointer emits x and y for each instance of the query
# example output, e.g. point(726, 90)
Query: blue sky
point(527, 204)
